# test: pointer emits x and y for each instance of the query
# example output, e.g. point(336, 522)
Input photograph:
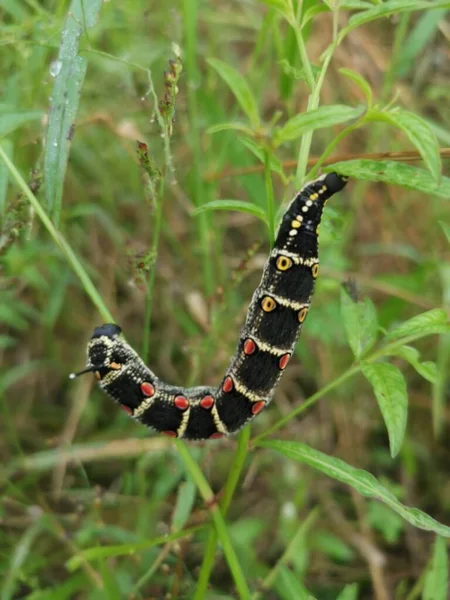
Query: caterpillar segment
point(273, 324)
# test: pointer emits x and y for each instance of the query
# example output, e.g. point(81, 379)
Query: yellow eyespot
point(302, 314)
point(315, 270)
point(295, 224)
point(268, 304)
point(284, 263)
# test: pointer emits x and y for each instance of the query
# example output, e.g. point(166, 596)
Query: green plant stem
point(152, 275)
point(313, 102)
point(353, 370)
point(190, 11)
point(60, 241)
point(211, 544)
point(219, 522)
point(269, 197)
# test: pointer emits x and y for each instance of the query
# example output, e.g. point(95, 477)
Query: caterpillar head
point(106, 352)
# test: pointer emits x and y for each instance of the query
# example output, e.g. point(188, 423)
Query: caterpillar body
point(274, 320)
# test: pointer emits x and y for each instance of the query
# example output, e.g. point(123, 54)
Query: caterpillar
point(274, 320)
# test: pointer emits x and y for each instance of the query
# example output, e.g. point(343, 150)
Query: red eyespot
point(216, 436)
point(257, 407)
point(181, 402)
point(249, 346)
point(228, 384)
point(284, 361)
point(172, 434)
point(207, 402)
point(147, 389)
point(127, 409)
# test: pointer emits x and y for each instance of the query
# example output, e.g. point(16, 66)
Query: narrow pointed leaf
point(240, 88)
point(390, 391)
point(238, 205)
point(394, 173)
point(428, 370)
point(319, 118)
point(427, 323)
point(69, 71)
point(362, 481)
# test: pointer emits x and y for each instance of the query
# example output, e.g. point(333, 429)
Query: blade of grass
point(69, 71)
point(59, 240)
point(211, 544)
point(219, 522)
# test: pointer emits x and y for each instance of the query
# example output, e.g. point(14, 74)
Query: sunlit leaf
point(390, 391)
point(231, 126)
point(362, 481)
point(350, 592)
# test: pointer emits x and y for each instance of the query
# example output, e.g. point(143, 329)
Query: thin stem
point(313, 102)
point(219, 522)
point(230, 486)
point(60, 241)
point(353, 370)
point(151, 279)
point(269, 197)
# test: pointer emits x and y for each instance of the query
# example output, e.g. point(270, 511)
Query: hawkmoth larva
point(274, 320)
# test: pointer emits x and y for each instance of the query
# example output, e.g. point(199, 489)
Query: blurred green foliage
point(95, 507)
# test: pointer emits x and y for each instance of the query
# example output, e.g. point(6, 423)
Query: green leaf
point(363, 85)
point(240, 88)
point(360, 323)
point(394, 173)
point(391, 7)
point(231, 126)
point(12, 121)
point(428, 370)
point(238, 205)
point(350, 592)
point(362, 481)
point(69, 71)
point(418, 131)
point(436, 578)
point(390, 390)
point(427, 323)
point(318, 118)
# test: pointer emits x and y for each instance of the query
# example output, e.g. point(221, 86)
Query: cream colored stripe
point(217, 420)
point(265, 347)
point(284, 301)
point(184, 423)
point(143, 406)
point(240, 387)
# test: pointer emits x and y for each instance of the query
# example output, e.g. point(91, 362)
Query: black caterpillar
point(274, 320)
